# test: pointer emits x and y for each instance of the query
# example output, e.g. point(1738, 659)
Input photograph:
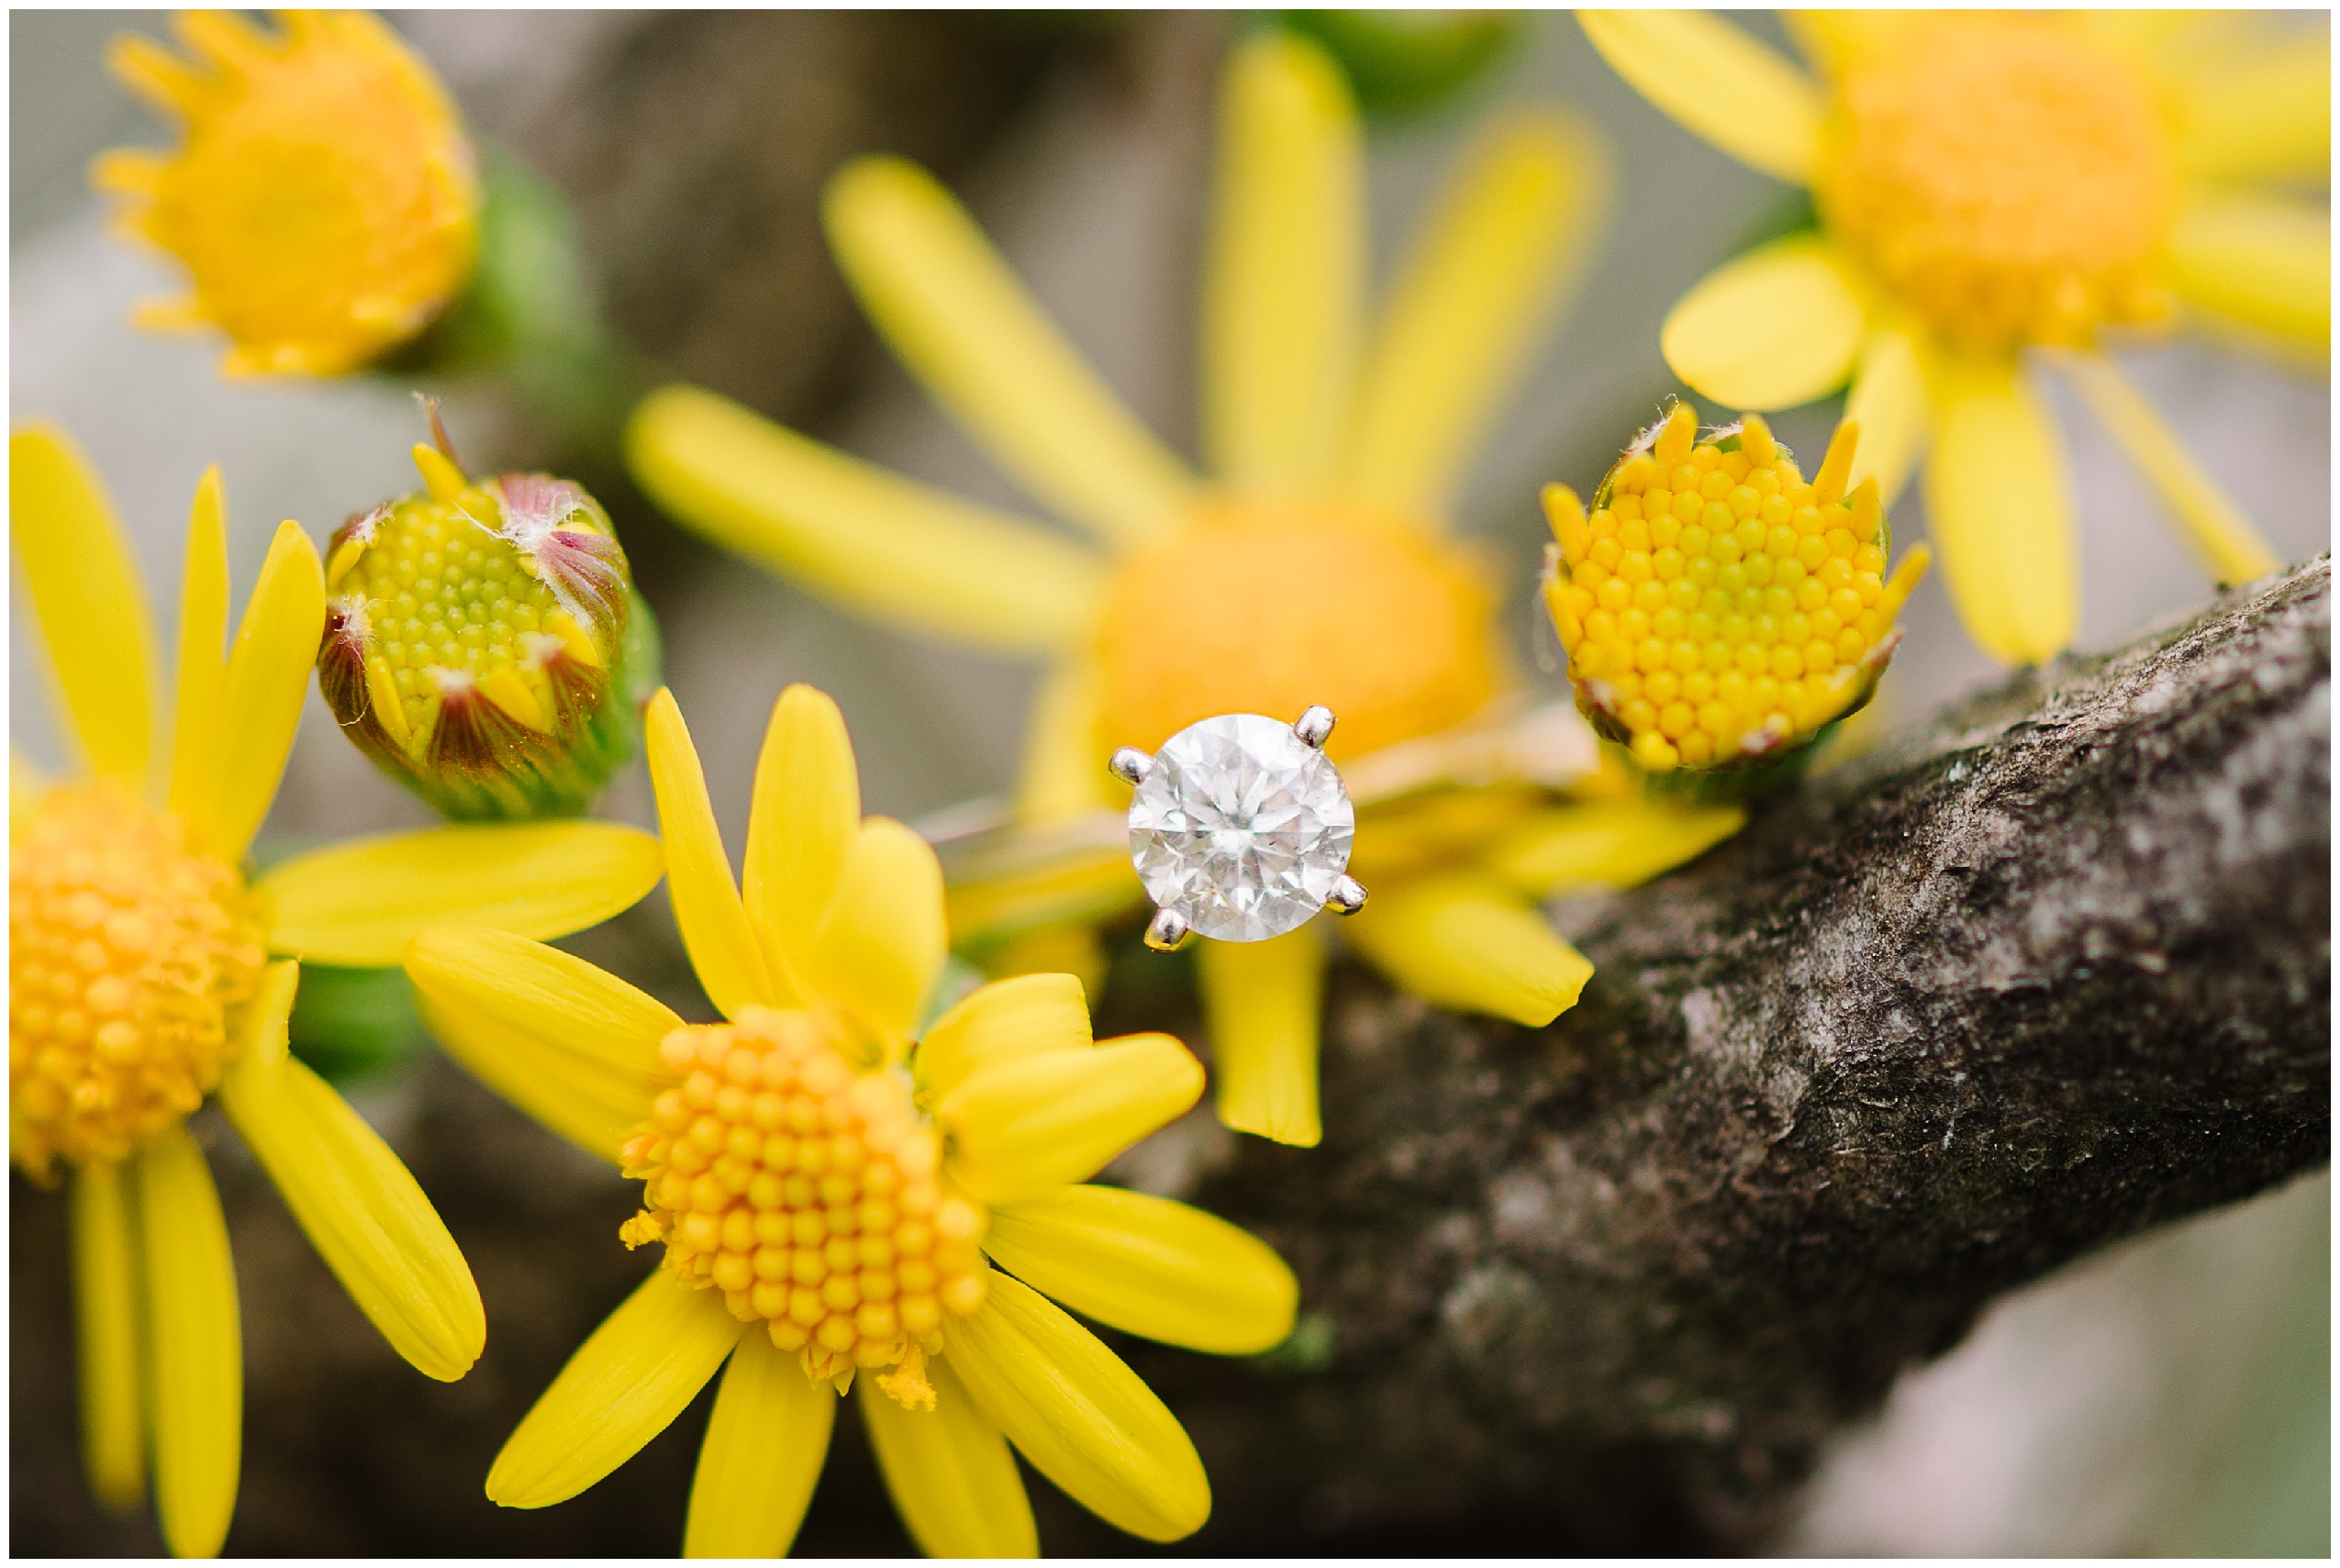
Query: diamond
point(1242, 827)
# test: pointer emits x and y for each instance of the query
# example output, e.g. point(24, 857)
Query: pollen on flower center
point(2009, 180)
point(1268, 611)
point(808, 1194)
point(438, 595)
point(127, 955)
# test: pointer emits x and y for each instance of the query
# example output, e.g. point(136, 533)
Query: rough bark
point(2056, 968)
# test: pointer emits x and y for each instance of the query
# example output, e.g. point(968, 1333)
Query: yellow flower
point(826, 1213)
point(140, 980)
point(324, 201)
point(1985, 184)
point(1314, 565)
point(1718, 610)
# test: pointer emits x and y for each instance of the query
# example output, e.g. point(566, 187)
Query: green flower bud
point(1400, 63)
point(483, 643)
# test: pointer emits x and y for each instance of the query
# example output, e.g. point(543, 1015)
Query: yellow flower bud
point(484, 644)
point(1720, 611)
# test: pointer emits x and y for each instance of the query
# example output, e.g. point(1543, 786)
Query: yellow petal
point(881, 943)
point(877, 544)
point(2154, 40)
point(2229, 547)
point(1084, 1420)
point(2267, 118)
point(955, 315)
point(183, 313)
point(1485, 280)
point(574, 1047)
point(1261, 1003)
point(1718, 83)
point(172, 86)
point(196, 1341)
point(359, 1207)
point(1060, 775)
point(441, 477)
point(1998, 508)
point(648, 1360)
point(1149, 1266)
point(762, 1454)
point(1607, 843)
point(83, 584)
point(1465, 941)
point(259, 701)
point(202, 650)
point(1076, 950)
point(130, 170)
point(2259, 259)
point(1076, 887)
point(1777, 327)
point(1888, 402)
point(228, 38)
point(1020, 1127)
point(1002, 1022)
point(1284, 282)
point(805, 816)
point(1833, 478)
point(698, 873)
point(105, 1334)
point(1831, 41)
point(953, 1481)
point(359, 902)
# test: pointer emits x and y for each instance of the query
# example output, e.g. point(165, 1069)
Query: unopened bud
point(483, 643)
point(1718, 610)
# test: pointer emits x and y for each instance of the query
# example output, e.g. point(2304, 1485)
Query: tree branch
point(2051, 971)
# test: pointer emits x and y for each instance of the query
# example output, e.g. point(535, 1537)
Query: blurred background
point(2167, 1394)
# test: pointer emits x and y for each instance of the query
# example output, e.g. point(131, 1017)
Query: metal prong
point(1129, 765)
point(1167, 931)
point(1348, 897)
point(1314, 727)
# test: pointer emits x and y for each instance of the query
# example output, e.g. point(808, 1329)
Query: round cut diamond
point(1242, 827)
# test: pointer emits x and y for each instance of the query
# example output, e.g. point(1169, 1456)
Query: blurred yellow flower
point(1313, 565)
point(827, 1213)
point(1718, 609)
point(1987, 183)
point(140, 982)
point(324, 201)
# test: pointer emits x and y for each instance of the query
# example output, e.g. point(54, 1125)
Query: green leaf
point(1400, 63)
point(349, 1024)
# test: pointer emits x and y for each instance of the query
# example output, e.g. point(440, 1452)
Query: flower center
point(2008, 179)
point(1715, 606)
point(809, 1194)
point(324, 201)
point(1268, 611)
point(126, 955)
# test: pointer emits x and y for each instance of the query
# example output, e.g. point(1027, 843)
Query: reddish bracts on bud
point(483, 643)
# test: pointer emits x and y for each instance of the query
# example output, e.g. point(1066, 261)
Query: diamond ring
point(1239, 828)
